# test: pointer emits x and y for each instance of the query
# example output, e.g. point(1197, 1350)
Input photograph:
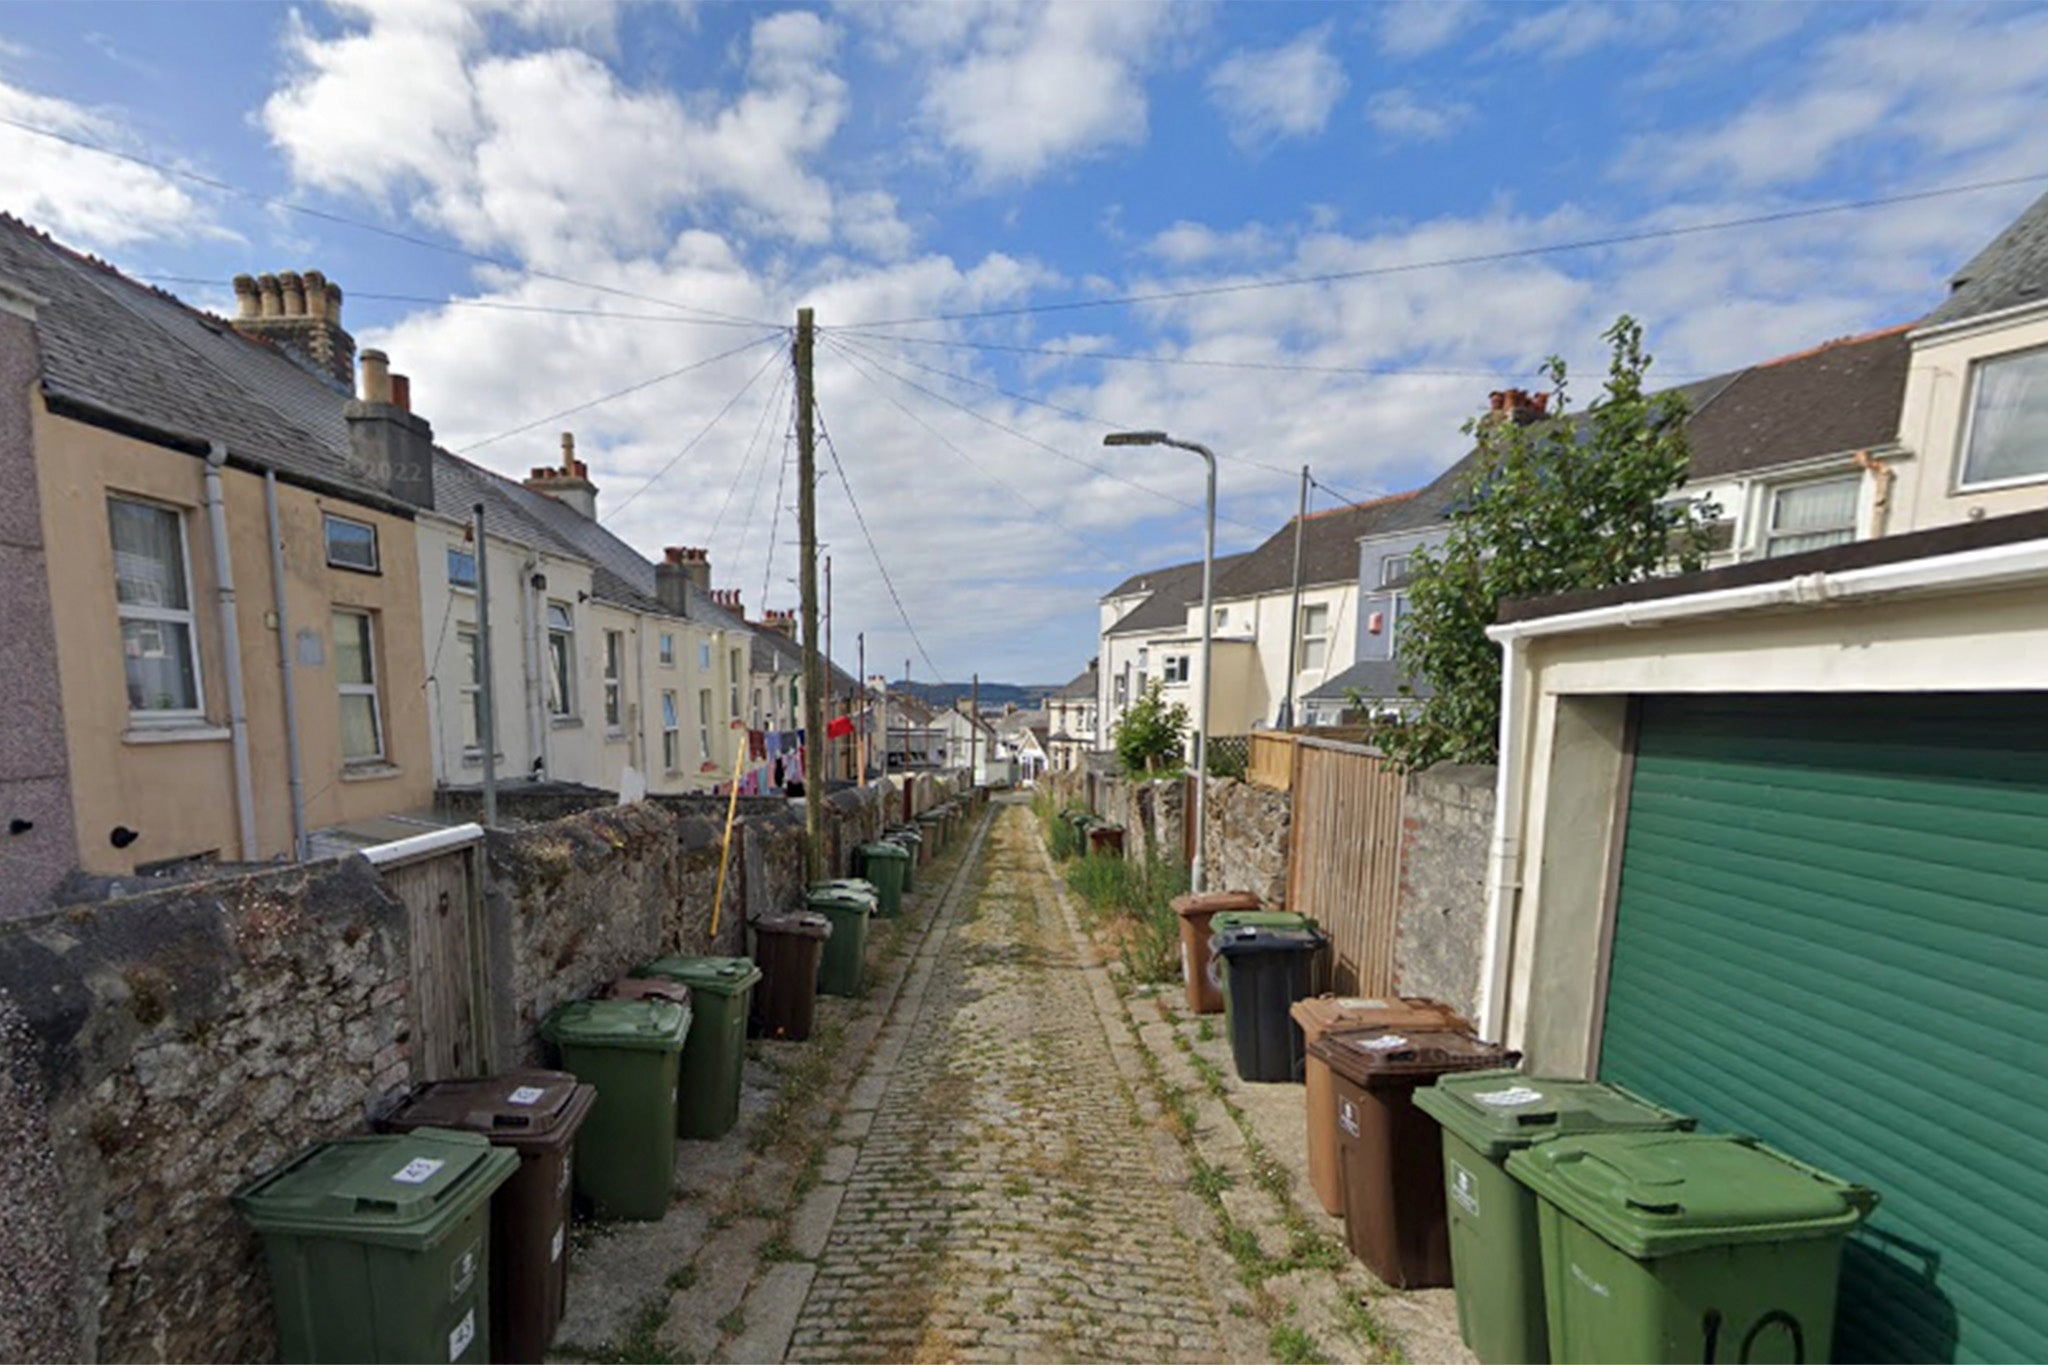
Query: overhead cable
point(691, 444)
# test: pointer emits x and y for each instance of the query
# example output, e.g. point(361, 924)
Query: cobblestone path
point(1005, 1204)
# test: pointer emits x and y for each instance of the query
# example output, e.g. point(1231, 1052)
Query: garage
point(1829, 928)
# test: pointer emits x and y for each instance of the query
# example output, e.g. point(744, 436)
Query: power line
point(617, 393)
point(832, 448)
point(775, 510)
point(496, 305)
point(854, 359)
point(1475, 258)
point(341, 220)
point(716, 418)
point(1363, 371)
point(739, 553)
point(746, 461)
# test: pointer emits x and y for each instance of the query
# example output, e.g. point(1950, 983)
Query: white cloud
point(1187, 243)
point(1279, 92)
point(1403, 116)
point(1415, 27)
point(1018, 90)
point(83, 194)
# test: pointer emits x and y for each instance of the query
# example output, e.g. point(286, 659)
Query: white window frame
point(1222, 618)
point(704, 656)
point(1315, 637)
point(456, 583)
point(1173, 669)
point(704, 722)
point(368, 689)
point(760, 717)
point(1772, 535)
point(186, 616)
point(671, 732)
point(1393, 569)
point(615, 680)
point(330, 520)
point(565, 674)
point(668, 650)
point(470, 691)
point(1963, 483)
point(733, 692)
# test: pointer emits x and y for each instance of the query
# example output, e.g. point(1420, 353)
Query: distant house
point(1071, 713)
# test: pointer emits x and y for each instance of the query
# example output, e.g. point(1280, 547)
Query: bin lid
point(402, 1189)
point(707, 975)
point(1335, 1013)
point(859, 886)
point(641, 987)
point(1385, 1056)
point(1254, 939)
point(905, 835)
point(885, 851)
point(803, 922)
point(645, 1025)
point(1659, 1194)
point(1226, 920)
point(1209, 902)
point(1499, 1111)
point(840, 900)
point(525, 1110)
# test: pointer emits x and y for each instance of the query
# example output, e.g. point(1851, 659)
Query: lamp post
point(1196, 880)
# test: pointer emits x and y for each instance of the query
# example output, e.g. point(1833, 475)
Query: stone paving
point(1008, 1199)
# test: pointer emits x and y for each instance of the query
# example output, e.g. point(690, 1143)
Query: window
point(461, 568)
point(668, 650)
point(1222, 617)
point(1393, 571)
point(471, 689)
point(561, 661)
point(1174, 668)
point(671, 734)
point(1809, 516)
point(760, 721)
point(614, 676)
point(351, 544)
point(355, 675)
point(1122, 688)
point(1315, 637)
point(734, 698)
point(153, 594)
point(704, 657)
point(2007, 437)
point(1397, 616)
point(704, 724)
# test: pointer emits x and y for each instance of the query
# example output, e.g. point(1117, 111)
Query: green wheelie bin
point(1671, 1247)
point(379, 1247)
point(715, 1054)
point(1496, 1250)
point(631, 1050)
point(845, 955)
point(910, 841)
point(883, 863)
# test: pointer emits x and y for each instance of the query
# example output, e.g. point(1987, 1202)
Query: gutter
point(231, 648)
point(419, 846)
point(1990, 567)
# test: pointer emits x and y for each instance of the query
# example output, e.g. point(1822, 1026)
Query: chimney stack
point(1516, 405)
point(672, 577)
point(782, 622)
point(301, 313)
point(728, 599)
point(570, 484)
point(388, 445)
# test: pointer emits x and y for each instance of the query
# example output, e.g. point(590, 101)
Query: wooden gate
point(439, 877)
point(1344, 863)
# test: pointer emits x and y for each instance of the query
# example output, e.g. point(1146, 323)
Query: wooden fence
point(1344, 866)
point(1271, 763)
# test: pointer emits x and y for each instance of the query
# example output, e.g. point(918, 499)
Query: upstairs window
point(704, 656)
point(1393, 571)
point(668, 651)
point(614, 679)
point(461, 568)
point(1174, 668)
point(471, 689)
point(704, 723)
point(2007, 437)
point(351, 544)
point(1315, 637)
point(561, 661)
point(733, 679)
point(1812, 515)
point(153, 594)
point(355, 676)
point(671, 734)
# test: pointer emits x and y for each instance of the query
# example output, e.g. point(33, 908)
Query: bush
point(1133, 901)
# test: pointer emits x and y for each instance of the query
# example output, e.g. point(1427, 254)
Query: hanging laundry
point(757, 745)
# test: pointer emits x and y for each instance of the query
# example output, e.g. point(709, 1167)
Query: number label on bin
point(418, 1171)
point(1392, 1042)
point(1464, 1190)
point(463, 1334)
point(462, 1274)
point(525, 1094)
point(1347, 1116)
point(1511, 1098)
point(555, 1246)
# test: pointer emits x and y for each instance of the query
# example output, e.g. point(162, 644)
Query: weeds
point(1134, 900)
point(1291, 1346)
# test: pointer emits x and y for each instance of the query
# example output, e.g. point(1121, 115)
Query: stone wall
point(160, 1051)
point(1247, 842)
point(1446, 832)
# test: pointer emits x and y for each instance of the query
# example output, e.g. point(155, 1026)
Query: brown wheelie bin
point(1324, 1014)
point(1390, 1152)
point(1195, 911)
point(536, 1114)
point(787, 949)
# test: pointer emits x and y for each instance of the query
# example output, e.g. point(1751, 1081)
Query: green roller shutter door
point(1832, 932)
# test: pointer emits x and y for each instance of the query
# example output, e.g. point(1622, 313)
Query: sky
point(1021, 226)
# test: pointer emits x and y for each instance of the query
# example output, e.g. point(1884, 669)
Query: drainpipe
point(301, 848)
point(1882, 475)
point(231, 646)
point(529, 654)
point(1504, 865)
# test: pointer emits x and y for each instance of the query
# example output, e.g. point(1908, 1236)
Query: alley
point(1007, 1201)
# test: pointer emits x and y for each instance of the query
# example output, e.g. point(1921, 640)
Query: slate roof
point(1083, 686)
point(1329, 551)
point(2011, 271)
point(1839, 397)
point(118, 347)
point(1373, 679)
point(1172, 590)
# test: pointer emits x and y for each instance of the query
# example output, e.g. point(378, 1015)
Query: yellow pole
point(732, 809)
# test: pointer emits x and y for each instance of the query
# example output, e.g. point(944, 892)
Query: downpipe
point(231, 647)
point(301, 845)
point(1504, 861)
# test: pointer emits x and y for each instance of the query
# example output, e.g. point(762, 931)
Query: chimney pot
point(673, 554)
point(299, 313)
point(316, 294)
point(401, 392)
point(376, 377)
point(293, 290)
point(247, 305)
point(569, 453)
point(272, 300)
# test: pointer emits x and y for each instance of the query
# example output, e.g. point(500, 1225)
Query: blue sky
point(914, 161)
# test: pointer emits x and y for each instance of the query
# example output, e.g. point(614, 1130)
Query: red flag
point(840, 728)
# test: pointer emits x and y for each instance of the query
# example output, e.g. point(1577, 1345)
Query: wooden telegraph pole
point(807, 528)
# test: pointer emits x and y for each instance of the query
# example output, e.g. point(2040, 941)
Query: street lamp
point(1196, 881)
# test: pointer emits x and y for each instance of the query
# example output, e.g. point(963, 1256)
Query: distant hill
point(993, 694)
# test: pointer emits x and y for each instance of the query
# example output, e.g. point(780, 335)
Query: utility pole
point(1294, 625)
point(974, 734)
point(487, 691)
point(807, 530)
point(831, 750)
point(860, 736)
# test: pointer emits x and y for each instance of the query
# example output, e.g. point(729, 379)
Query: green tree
point(1151, 734)
point(1565, 503)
